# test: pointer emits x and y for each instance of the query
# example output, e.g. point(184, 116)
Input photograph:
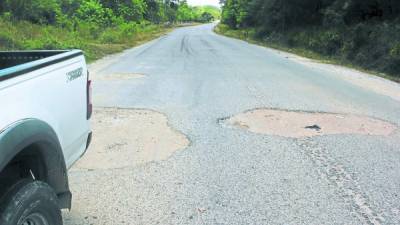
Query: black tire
point(30, 203)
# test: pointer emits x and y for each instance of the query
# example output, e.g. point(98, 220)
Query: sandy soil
point(304, 124)
point(124, 137)
point(374, 83)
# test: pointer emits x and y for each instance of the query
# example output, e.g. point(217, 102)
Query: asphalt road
point(232, 176)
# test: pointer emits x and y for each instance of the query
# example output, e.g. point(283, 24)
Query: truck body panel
point(52, 89)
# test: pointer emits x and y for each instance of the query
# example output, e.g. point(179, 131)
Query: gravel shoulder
point(368, 81)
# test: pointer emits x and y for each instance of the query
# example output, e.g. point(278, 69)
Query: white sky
point(204, 2)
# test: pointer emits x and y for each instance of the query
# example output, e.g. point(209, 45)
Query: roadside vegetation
point(360, 33)
point(98, 27)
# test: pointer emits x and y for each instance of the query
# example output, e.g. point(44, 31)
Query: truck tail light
point(89, 97)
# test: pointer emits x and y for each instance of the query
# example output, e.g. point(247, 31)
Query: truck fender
point(24, 133)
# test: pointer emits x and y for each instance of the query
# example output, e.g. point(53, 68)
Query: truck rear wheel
point(30, 203)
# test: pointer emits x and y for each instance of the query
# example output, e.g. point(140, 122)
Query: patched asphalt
point(232, 176)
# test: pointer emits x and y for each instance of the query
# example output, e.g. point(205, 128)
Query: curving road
point(231, 176)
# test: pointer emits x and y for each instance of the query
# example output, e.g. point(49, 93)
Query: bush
point(7, 41)
point(92, 11)
point(395, 51)
point(330, 42)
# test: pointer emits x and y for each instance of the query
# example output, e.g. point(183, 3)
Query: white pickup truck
point(45, 107)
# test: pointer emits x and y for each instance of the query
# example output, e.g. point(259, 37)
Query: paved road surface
point(232, 176)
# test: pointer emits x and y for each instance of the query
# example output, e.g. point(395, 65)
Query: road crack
point(344, 181)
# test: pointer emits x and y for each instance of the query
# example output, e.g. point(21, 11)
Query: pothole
point(122, 76)
point(124, 137)
point(298, 124)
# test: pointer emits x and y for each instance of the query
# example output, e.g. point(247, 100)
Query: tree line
point(104, 12)
point(363, 32)
point(98, 27)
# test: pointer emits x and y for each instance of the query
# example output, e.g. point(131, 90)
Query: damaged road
point(128, 138)
point(297, 124)
point(301, 142)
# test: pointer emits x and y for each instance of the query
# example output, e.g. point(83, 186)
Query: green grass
point(249, 35)
point(95, 41)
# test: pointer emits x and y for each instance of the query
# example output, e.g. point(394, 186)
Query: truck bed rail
point(16, 63)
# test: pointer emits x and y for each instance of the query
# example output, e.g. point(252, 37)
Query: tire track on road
point(344, 181)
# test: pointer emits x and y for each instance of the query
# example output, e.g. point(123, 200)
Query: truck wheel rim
point(35, 219)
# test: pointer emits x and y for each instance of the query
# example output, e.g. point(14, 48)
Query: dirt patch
point(124, 137)
point(297, 124)
point(121, 76)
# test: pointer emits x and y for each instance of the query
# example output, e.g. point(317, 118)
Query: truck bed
point(15, 63)
point(48, 86)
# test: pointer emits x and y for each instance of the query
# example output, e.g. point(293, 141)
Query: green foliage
point(361, 32)
point(94, 40)
point(97, 26)
point(203, 14)
point(395, 51)
point(185, 13)
point(214, 11)
point(129, 10)
point(40, 11)
point(104, 13)
point(206, 17)
point(235, 13)
point(92, 11)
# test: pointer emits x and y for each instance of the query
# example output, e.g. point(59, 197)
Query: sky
point(204, 2)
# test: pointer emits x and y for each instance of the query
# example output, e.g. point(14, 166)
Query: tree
point(40, 11)
point(206, 17)
point(153, 12)
point(69, 7)
point(185, 13)
point(236, 13)
point(129, 10)
point(92, 11)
